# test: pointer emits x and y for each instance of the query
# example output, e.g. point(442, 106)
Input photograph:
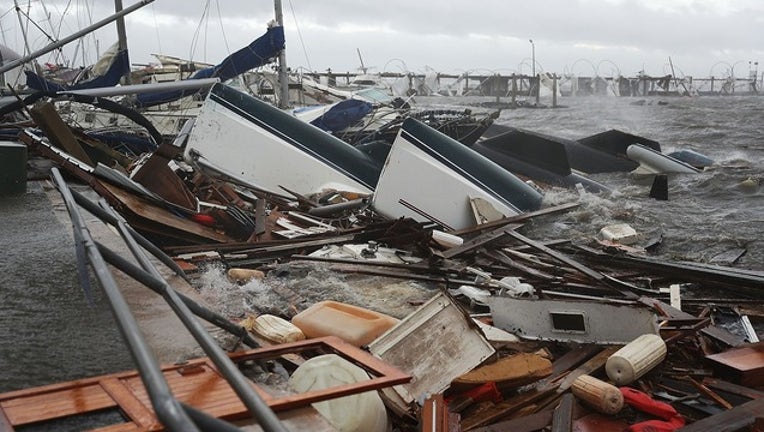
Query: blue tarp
point(254, 55)
point(342, 115)
point(117, 69)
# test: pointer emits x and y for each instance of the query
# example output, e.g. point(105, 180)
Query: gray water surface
point(48, 330)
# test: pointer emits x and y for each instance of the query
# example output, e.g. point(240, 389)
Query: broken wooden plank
point(734, 279)
point(478, 241)
point(593, 274)
point(517, 218)
point(59, 134)
point(744, 365)
point(137, 412)
point(151, 217)
point(713, 332)
point(729, 421)
point(735, 389)
point(435, 415)
point(508, 372)
point(562, 420)
point(588, 367)
point(529, 423)
point(505, 408)
point(710, 393)
point(156, 175)
point(509, 262)
point(196, 382)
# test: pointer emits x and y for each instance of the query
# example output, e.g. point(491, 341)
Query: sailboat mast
point(27, 50)
point(122, 35)
point(283, 78)
point(10, 65)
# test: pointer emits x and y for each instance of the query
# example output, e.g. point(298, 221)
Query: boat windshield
point(374, 95)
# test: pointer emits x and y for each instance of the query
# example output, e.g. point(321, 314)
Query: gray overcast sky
point(702, 37)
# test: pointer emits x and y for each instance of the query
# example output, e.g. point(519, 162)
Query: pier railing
point(171, 412)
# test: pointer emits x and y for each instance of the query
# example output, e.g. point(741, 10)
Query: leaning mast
point(122, 36)
point(283, 87)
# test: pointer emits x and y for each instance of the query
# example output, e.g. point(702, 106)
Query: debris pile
point(500, 331)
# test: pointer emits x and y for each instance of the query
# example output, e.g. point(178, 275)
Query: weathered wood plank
point(562, 420)
point(132, 407)
point(729, 421)
point(59, 134)
point(49, 406)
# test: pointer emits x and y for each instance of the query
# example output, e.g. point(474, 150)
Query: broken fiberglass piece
point(572, 321)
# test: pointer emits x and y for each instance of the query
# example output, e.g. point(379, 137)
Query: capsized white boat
point(251, 139)
point(654, 162)
point(430, 176)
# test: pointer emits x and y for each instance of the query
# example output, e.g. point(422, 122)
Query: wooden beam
point(59, 134)
point(733, 420)
point(562, 420)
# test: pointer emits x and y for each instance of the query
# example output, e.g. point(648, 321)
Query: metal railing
point(172, 413)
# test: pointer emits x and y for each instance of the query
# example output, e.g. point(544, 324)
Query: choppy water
point(49, 333)
point(707, 213)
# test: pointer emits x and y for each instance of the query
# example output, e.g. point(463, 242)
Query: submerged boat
point(654, 162)
point(540, 157)
point(431, 177)
point(607, 151)
point(245, 137)
point(563, 162)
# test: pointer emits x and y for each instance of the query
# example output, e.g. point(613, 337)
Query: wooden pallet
point(197, 383)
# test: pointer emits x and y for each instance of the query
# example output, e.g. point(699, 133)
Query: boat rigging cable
point(299, 34)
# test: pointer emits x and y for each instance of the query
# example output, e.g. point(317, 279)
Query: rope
point(299, 34)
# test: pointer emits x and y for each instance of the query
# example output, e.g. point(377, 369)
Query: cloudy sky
point(587, 37)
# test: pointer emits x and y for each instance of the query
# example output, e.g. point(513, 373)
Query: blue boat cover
point(342, 115)
point(254, 55)
point(117, 69)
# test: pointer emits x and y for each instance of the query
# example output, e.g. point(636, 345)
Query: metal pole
point(133, 89)
point(533, 71)
point(122, 36)
point(106, 217)
point(136, 273)
point(253, 401)
point(74, 36)
point(283, 77)
point(168, 410)
point(27, 50)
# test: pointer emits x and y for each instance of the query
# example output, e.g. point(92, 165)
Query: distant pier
point(520, 85)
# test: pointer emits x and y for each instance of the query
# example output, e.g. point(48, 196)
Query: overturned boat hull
point(539, 157)
point(606, 152)
point(253, 140)
point(429, 176)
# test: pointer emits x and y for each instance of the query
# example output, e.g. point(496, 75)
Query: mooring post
point(514, 90)
point(554, 91)
point(497, 87)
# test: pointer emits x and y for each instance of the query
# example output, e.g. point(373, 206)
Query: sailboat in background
point(168, 105)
